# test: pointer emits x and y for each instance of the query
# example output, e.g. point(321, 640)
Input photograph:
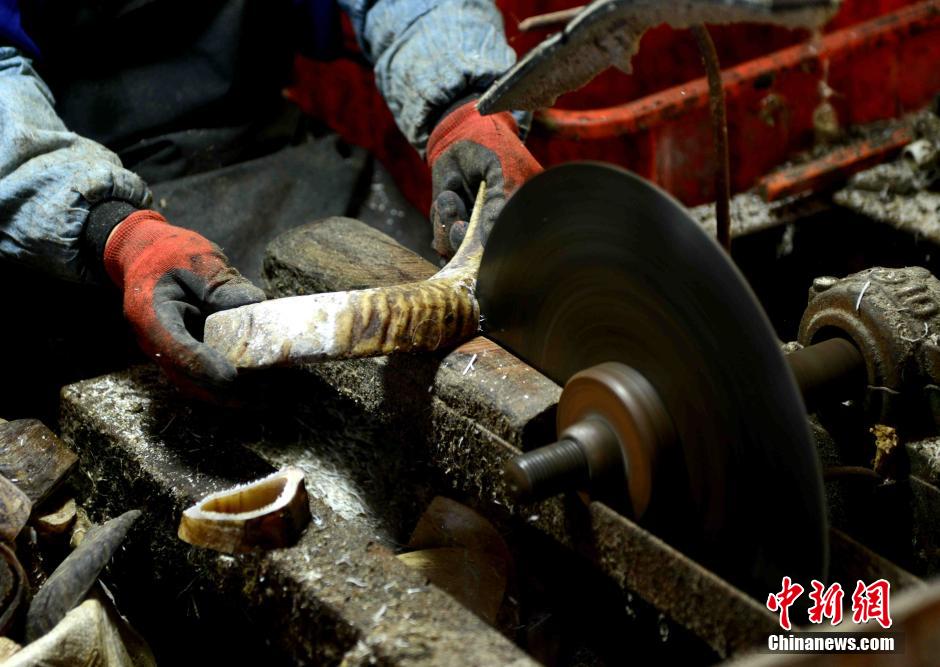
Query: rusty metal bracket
point(893, 318)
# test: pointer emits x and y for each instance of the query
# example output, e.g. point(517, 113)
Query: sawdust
point(886, 445)
point(917, 214)
point(751, 214)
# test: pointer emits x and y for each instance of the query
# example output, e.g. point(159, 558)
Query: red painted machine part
point(883, 58)
point(835, 166)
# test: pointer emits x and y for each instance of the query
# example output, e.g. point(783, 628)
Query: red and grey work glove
point(464, 149)
point(172, 279)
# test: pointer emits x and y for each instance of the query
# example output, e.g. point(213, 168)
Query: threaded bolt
point(547, 471)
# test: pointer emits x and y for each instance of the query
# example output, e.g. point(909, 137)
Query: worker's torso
point(173, 86)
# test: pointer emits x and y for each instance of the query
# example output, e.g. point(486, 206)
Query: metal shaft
point(831, 370)
point(719, 112)
point(547, 471)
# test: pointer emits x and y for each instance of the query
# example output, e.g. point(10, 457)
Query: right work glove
point(463, 150)
point(172, 279)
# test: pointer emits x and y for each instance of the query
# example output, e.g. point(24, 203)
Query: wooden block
point(33, 458)
point(58, 520)
point(478, 379)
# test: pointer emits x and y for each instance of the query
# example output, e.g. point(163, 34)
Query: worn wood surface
point(33, 458)
point(338, 595)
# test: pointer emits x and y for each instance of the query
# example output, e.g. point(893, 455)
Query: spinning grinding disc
point(588, 264)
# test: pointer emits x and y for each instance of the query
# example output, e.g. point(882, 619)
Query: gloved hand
point(172, 279)
point(464, 149)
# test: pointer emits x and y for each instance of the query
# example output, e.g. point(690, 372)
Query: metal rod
point(719, 112)
point(833, 370)
point(549, 19)
point(547, 471)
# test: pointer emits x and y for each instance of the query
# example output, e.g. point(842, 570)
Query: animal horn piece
point(90, 634)
point(72, 580)
point(269, 513)
point(33, 458)
point(413, 317)
point(13, 587)
point(15, 508)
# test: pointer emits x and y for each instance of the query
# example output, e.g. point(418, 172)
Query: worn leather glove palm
point(172, 279)
point(464, 149)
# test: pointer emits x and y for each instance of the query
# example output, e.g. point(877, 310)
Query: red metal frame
point(833, 167)
point(883, 58)
point(877, 69)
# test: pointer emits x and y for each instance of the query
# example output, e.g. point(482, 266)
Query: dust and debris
point(919, 338)
point(886, 444)
point(785, 246)
point(902, 193)
point(917, 214)
point(379, 202)
point(861, 294)
point(469, 366)
point(380, 613)
point(924, 456)
point(751, 214)
point(663, 625)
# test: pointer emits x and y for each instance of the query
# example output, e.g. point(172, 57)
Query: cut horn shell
point(269, 513)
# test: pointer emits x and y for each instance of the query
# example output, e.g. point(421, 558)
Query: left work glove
point(464, 149)
point(172, 279)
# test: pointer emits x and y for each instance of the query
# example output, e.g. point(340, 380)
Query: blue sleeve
point(50, 177)
point(11, 28)
point(318, 29)
point(428, 54)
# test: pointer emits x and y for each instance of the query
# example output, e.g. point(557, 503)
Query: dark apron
point(243, 207)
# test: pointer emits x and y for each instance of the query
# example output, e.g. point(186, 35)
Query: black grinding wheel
point(589, 263)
